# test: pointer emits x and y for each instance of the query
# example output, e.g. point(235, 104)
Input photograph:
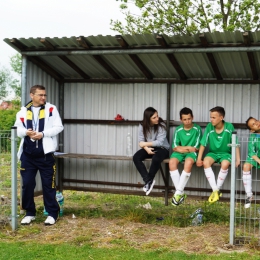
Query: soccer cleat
point(214, 196)
point(49, 221)
point(248, 202)
point(178, 199)
point(27, 220)
point(150, 185)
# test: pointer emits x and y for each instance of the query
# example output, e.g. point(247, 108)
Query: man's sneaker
point(248, 202)
point(49, 221)
point(27, 220)
point(214, 196)
point(149, 186)
point(178, 199)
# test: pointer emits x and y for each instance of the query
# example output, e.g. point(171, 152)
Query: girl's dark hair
point(148, 113)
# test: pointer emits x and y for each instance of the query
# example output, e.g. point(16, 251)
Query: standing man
point(218, 134)
point(185, 144)
point(38, 124)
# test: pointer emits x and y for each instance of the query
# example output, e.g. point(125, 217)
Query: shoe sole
point(25, 224)
point(28, 223)
point(48, 224)
point(212, 201)
point(183, 199)
point(247, 206)
point(175, 203)
point(148, 192)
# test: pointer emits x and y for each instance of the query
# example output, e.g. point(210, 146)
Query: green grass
point(37, 242)
point(130, 207)
point(24, 251)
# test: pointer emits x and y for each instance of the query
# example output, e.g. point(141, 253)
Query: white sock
point(211, 178)
point(175, 175)
point(221, 177)
point(182, 183)
point(247, 180)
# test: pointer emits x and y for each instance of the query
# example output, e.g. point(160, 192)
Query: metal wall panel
point(105, 101)
point(240, 102)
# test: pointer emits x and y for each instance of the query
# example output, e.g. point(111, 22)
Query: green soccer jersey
point(218, 143)
point(253, 146)
point(189, 137)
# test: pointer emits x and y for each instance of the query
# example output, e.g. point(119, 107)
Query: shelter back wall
point(104, 101)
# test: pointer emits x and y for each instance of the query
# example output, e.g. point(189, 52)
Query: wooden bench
point(164, 175)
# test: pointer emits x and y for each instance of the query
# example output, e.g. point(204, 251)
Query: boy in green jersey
point(252, 159)
point(218, 134)
point(185, 144)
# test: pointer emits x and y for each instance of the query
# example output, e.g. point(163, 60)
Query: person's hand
point(149, 150)
point(237, 163)
point(193, 149)
point(30, 133)
point(37, 136)
point(199, 163)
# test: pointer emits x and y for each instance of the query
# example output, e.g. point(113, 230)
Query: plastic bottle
point(129, 149)
point(60, 200)
point(197, 217)
point(45, 213)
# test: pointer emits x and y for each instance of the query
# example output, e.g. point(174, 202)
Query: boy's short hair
point(247, 126)
point(185, 111)
point(218, 109)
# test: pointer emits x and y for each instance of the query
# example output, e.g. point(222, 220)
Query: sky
point(54, 18)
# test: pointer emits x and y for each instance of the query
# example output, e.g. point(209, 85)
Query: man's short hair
point(33, 88)
point(218, 109)
point(247, 126)
point(185, 111)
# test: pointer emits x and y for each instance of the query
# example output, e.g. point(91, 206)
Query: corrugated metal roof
point(129, 58)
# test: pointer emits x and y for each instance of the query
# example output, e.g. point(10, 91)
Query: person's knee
point(136, 158)
point(173, 164)
point(188, 163)
point(247, 167)
point(207, 163)
point(225, 165)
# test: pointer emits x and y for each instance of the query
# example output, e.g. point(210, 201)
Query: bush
point(7, 119)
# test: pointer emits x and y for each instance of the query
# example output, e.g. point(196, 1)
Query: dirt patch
point(101, 232)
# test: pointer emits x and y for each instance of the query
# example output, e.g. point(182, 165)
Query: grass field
point(108, 226)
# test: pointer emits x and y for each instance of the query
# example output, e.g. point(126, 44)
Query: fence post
point(232, 188)
point(14, 176)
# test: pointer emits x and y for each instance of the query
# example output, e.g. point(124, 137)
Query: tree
point(188, 17)
point(16, 64)
point(5, 81)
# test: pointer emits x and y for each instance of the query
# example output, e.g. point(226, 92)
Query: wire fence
point(244, 222)
point(5, 177)
point(247, 220)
